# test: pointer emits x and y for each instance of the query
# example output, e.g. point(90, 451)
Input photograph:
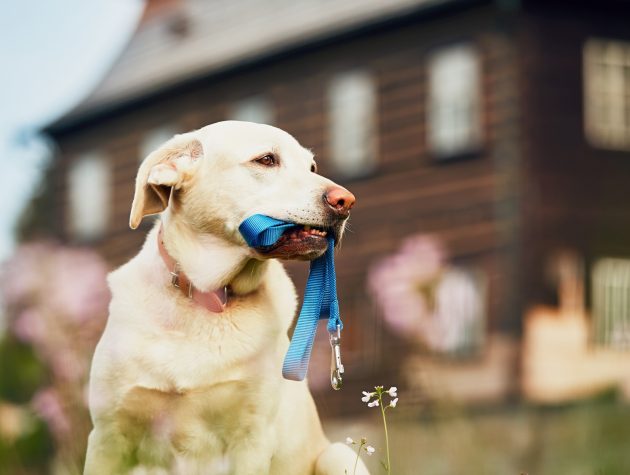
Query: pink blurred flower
point(51, 292)
point(78, 289)
point(21, 276)
point(396, 280)
point(56, 300)
point(48, 405)
point(29, 326)
point(426, 300)
point(69, 365)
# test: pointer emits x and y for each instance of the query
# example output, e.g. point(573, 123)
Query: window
point(352, 122)
point(459, 300)
point(453, 106)
point(607, 93)
point(253, 109)
point(611, 303)
point(89, 189)
point(156, 137)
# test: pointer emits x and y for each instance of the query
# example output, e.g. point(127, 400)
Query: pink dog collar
point(214, 300)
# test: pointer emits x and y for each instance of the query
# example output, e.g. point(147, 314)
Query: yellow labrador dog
point(187, 376)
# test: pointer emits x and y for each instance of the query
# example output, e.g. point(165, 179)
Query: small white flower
point(393, 391)
point(349, 441)
point(370, 450)
point(366, 396)
point(393, 402)
point(373, 403)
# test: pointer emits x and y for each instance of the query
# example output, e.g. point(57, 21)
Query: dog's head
point(215, 177)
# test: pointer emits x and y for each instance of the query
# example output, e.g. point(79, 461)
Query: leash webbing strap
point(320, 297)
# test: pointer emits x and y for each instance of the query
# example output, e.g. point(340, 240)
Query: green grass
point(583, 439)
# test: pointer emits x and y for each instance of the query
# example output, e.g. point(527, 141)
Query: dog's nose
point(339, 200)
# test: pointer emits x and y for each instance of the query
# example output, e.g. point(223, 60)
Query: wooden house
point(501, 128)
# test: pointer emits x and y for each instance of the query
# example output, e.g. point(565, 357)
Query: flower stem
point(389, 467)
point(357, 459)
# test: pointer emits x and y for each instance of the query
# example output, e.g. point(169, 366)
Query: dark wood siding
point(576, 196)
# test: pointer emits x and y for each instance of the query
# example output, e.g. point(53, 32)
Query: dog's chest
point(199, 420)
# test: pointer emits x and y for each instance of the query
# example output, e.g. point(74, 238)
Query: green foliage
point(20, 376)
point(20, 371)
point(29, 454)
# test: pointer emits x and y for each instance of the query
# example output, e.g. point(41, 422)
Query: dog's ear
point(165, 169)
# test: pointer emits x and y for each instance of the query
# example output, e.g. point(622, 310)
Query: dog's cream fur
point(176, 389)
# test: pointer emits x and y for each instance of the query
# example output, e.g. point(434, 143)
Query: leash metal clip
point(336, 368)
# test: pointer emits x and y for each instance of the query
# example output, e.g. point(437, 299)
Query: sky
point(53, 53)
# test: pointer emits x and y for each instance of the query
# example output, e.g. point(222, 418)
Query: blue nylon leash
point(320, 299)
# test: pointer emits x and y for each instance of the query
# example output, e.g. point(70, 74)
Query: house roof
point(196, 38)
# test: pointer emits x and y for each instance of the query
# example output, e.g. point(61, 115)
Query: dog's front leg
point(251, 456)
point(339, 459)
point(107, 453)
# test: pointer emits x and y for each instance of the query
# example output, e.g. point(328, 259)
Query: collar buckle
point(214, 300)
point(175, 279)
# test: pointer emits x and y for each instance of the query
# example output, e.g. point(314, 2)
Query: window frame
point(368, 162)
point(603, 324)
point(154, 137)
point(606, 93)
point(437, 59)
point(241, 108)
point(75, 224)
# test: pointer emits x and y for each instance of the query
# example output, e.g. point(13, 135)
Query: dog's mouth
point(302, 242)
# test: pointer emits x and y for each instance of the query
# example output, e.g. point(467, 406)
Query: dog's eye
point(268, 160)
point(314, 167)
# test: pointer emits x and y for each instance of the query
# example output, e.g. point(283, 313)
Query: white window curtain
point(460, 312)
point(352, 123)
point(89, 189)
point(607, 93)
point(453, 108)
point(257, 109)
point(611, 303)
